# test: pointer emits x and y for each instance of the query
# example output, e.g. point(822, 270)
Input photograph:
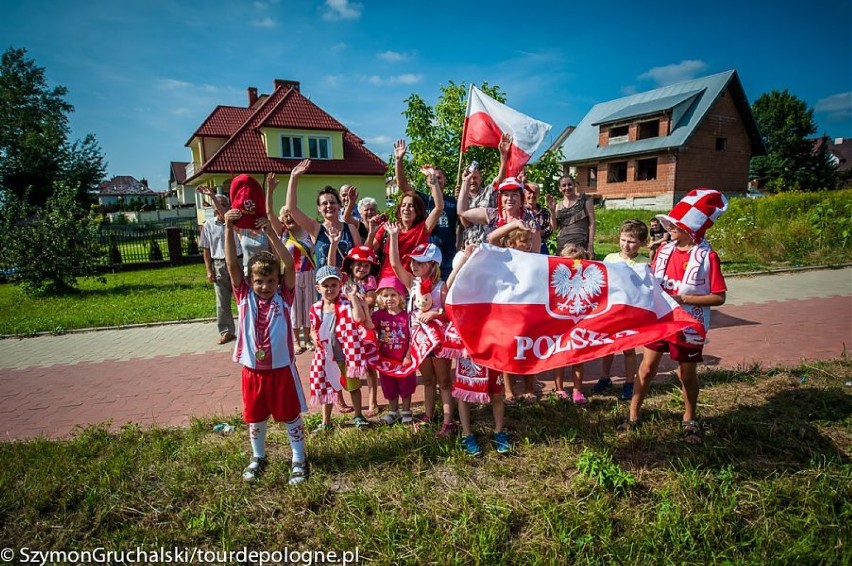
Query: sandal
point(407, 417)
point(299, 472)
point(627, 426)
point(529, 398)
point(342, 406)
point(511, 402)
point(301, 350)
point(255, 468)
point(562, 395)
point(390, 418)
point(372, 413)
point(692, 432)
point(578, 397)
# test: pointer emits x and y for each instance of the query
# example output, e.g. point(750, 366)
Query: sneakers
point(626, 392)
point(471, 446)
point(447, 429)
point(360, 422)
point(501, 439)
point(254, 469)
point(602, 385)
point(390, 418)
point(299, 472)
point(578, 397)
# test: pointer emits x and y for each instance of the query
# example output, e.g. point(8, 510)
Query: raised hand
point(261, 223)
point(271, 182)
point(299, 169)
point(208, 191)
point(232, 216)
point(399, 149)
point(551, 202)
point(392, 228)
point(505, 143)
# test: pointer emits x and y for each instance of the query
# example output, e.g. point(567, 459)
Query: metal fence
point(148, 242)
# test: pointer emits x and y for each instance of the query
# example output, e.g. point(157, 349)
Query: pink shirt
point(393, 333)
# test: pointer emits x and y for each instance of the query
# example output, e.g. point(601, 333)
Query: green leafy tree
point(35, 153)
point(434, 133)
point(546, 171)
point(792, 162)
point(49, 247)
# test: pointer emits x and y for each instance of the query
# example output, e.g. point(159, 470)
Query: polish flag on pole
point(486, 120)
point(525, 313)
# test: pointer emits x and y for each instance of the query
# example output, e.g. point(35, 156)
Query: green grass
point(131, 297)
point(772, 484)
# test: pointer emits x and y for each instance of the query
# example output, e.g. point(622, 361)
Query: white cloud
point(393, 56)
point(172, 84)
point(837, 106)
point(265, 23)
point(380, 140)
point(333, 81)
point(670, 74)
point(337, 47)
point(342, 10)
point(404, 79)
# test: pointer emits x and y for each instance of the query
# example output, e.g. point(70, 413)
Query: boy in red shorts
point(270, 381)
point(688, 269)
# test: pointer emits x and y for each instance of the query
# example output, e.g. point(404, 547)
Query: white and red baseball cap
point(426, 252)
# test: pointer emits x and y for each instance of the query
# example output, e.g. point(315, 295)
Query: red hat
point(510, 184)
point(361, 253)
point(247, 197)
point(391, 282)
point(426, 252)
point(696, 212)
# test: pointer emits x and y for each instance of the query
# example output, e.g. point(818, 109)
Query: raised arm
point(333, 243)
point(288, 271)
point(349, 194)
point(399, 149)
point(551, 204)
point(307, 223)
point(235, 266)
point(505, 147)
point(463, 200)
point(360, 311)
point(393, 255)
point(496, 236)
point(215, 203)
point(274, 221)
point(437, 200)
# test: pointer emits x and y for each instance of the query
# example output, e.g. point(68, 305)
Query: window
point(319, 148)
point(649, 129)
point(619, 134)
point(617, 172)
point(593, 177)
point(646, 169)
point(291, 147)
point(721, 144)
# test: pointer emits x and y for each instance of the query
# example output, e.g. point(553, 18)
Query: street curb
point(777, 271)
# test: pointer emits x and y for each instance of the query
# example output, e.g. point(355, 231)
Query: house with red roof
point(124, 189)
point(273, 134)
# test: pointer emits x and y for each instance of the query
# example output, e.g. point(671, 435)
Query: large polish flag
point(525, 313)
point(486, 120)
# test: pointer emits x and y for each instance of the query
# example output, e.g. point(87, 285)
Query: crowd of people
point(364, 294)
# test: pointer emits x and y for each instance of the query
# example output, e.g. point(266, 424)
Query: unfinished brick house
point(649, 149)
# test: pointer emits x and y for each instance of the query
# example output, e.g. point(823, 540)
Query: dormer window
point(291, 147)
point(319, 147)
point(619, 134)
point(649, 129)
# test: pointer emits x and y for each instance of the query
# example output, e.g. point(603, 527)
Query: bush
point(49, 247)
point(154, 252)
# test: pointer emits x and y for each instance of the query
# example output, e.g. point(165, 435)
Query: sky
point(143, 75)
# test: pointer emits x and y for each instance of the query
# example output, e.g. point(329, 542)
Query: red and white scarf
point(356, 346)
point(471, 381)
point(695, 282)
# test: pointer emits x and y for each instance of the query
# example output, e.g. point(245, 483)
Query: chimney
point(252, 96)
point(287, 84)
point(144, 182)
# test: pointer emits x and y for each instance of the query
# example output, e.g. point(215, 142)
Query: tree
point(49, 247)
point(434, 134)
point(792, 162)
point(35, 154)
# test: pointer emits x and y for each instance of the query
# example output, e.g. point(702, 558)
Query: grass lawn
point(772, 484)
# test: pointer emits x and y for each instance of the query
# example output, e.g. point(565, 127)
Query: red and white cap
point(510, 184)
point(361, 253)
point(426, 252)
point(696, 212)
point(247, 197)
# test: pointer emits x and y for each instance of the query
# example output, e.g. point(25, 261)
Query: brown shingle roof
point(124, 185)
point(286, 107)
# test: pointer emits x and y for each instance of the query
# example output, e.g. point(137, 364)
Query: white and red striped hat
point(696, 212)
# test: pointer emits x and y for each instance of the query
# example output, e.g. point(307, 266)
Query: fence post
point(175, 248)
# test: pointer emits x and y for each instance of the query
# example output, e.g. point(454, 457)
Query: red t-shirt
point(408, 240)
point(676, 268)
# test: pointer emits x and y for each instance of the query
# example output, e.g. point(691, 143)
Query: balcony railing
point(190, 169)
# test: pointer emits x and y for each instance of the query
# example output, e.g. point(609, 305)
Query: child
point(270, 381)
point(572, 251)
point(516, 235)
point(689, 270)
point(391, 322)
point(632, 235)
point(658, 236)
point(476, 384)
point(425, 266)
point(338, 360)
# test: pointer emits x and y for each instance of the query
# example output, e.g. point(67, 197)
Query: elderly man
point(212, 244)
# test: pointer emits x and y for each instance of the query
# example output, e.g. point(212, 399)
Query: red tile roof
point(286, 107)
point(178, 172)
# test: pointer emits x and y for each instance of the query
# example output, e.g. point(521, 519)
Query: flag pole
point(461, 141)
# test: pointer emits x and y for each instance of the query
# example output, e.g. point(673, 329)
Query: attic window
point(291, 147)
point(319, 148)
point(721, 144)
point(618, 134)
point(649, 130)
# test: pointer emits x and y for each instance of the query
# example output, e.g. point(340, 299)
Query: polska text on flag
point(525, 313)
point(486, 120)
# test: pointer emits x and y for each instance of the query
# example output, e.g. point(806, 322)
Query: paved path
point(168, 374)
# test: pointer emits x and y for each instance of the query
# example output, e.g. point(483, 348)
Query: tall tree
point(434, 134)
point(35, 153)
point(792, 161)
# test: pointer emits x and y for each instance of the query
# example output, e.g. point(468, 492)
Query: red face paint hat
point(247, 197)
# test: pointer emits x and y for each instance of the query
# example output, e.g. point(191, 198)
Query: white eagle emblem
point(579, 289)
